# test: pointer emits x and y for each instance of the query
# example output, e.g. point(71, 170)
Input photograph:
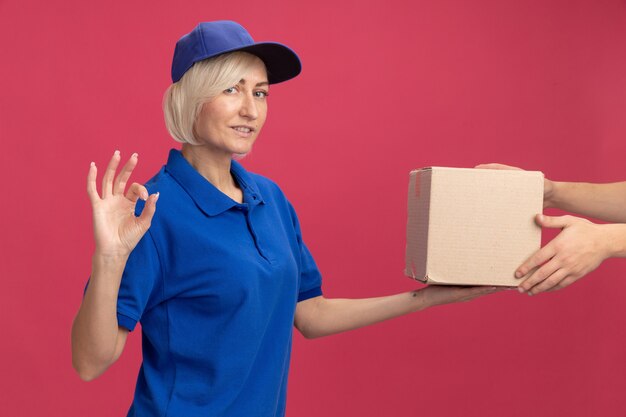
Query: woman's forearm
point(602, 201)
point(320, 316)
point(339, 315)
point(96, 337)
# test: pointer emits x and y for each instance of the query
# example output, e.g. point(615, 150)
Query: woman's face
point(231, 121)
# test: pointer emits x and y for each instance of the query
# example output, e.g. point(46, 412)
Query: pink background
point(388, 86)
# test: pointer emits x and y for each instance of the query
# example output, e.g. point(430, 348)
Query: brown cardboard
point(471, 226)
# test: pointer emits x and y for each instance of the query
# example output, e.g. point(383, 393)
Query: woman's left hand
point(576, 251)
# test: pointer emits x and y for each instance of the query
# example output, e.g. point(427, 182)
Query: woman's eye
point(230, 90)
point(261, 94)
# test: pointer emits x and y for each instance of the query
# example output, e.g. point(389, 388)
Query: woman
point(582, 245)
point(219, 274)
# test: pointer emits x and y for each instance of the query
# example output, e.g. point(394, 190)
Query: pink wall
point(387, 86)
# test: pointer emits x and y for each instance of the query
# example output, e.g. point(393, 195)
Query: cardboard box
point(471, 226)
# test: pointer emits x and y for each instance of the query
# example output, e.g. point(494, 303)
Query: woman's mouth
point(243, 131)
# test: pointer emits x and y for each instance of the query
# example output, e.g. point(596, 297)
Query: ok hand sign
point(116, 228)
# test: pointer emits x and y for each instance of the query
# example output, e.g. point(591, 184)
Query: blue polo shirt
point(215, 284)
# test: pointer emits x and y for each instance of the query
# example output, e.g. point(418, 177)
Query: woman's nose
point(248, 108)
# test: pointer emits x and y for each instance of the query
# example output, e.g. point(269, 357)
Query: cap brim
point(280, 61)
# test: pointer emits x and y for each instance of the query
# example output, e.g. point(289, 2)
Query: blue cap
point(210, 39)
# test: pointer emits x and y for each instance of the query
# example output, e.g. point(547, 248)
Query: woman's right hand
point(116, 228)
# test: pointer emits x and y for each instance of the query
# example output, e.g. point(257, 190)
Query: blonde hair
point(183, 100)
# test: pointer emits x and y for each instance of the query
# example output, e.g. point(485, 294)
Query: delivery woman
point(209, 257)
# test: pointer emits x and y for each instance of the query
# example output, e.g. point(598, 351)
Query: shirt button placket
point(247, 214)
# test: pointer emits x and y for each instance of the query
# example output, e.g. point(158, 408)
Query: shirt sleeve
point(140, 283)
point(310, 276)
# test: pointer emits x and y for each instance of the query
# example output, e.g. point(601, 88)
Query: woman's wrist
point(105, 281)
point(110, 258)
point(419, 300)
point(109, 265)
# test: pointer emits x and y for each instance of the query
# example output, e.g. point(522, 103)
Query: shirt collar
point(206, 196)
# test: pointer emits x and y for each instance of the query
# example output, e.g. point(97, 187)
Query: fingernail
point(530, 293)
point(157, 197)
point(521, 290)
point(116, 152)
point(92, 164)
point(135, 155)
point(518, 274)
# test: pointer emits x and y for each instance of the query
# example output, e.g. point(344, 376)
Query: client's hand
point(577, 250)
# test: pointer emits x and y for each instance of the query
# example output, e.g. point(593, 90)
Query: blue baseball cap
point(210, 39)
